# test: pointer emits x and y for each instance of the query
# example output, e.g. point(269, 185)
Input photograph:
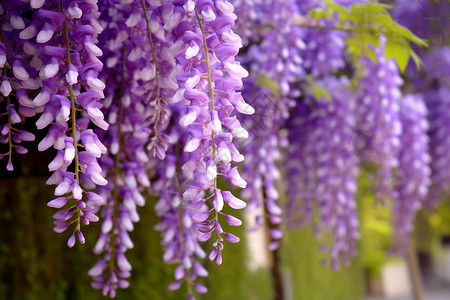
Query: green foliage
point(430, 226)
point(150, 275)
point(376, 230)
point(426, 235)
point(233, 279)
point(317, 90)
point(440, 219)
point(366, 22)
point(309, 279)
point(265, 81)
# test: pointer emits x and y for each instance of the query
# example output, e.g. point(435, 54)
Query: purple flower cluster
point(278, 54)
point(413, 175)
point(178, 230)
point(146, 96)
point(435, 86)
point(180, 236)
point(324, 50)
point(146, 82)
point(262, 152)
point(276, 57)
point(209, 88)
point(437, 103)
point(300, 169)
point(378, 120)
point(70, 83)
point(15, 81)
point(327, 157)
point(59, 60)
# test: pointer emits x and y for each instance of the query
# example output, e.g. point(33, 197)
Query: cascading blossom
point(413, 175)
point(134, 35)
point(55, 77)
point(69, 84)
point(324, 48)
point(142, 97)
point(178, 230)
point(285, 40)
point(299, 167)
point(209, 89)
point(437, 103)
point(434, 85)
point(275, 58)
point(378, 120)
point(15, 83)
point(262, 152)
point(328, 158)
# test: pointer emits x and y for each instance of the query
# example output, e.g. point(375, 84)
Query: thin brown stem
point(277, 276)
point(211, 87)
point(414, 271)
point(73, 111)
point(211, 102)
point(157, 69)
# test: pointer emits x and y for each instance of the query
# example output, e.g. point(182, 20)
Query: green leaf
point(416, 59)
point(265, 81)
point(317, 90)
point(366, 22)
point(405, 32)
point(401, 56)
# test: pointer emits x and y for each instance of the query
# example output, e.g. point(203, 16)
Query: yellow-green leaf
point(265, 81)
point(401, 56)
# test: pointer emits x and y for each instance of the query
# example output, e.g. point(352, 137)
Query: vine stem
point(73, 111)
point(155, 60)
point(275, 269)
point(211, 102)
point(414, 271)
point(208, 77)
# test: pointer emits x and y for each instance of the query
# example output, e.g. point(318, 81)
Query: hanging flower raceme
point(158, 76)
point(248, 22)
point(262, 152)
point(435, 85)
point(180, 236)
point(134, 73)
point(299, 167)
point(278, 54)
point(331, 166)
point(165, 76)
point(323, 53)
point(209, 89)
point(437, 103)
point(378, 121)
point(61, 38)
point(17, 78)
point(274, 60)
point(413, 175)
